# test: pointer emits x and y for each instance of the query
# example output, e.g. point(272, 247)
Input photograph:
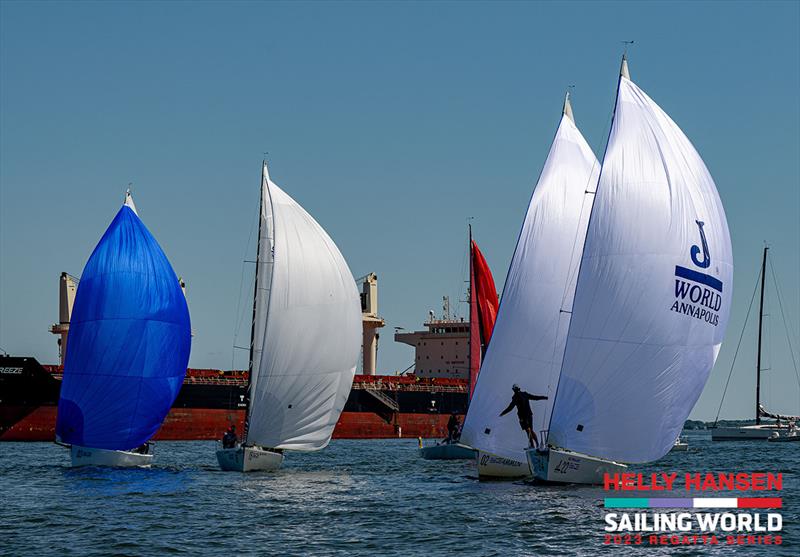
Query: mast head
point(129, 201)
point(567, 111)
point(623, 69)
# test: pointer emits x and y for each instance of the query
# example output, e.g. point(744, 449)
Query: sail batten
point(653, 292)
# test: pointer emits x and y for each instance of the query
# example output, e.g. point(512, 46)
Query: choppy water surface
point(355, 498)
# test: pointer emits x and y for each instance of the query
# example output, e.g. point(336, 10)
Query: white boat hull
point(744, 433)
point(678, 447)
point(249, 459)
point(447, 451)
point(86, 456)
point(491, 466)
point(563, 466)
point(784, 437)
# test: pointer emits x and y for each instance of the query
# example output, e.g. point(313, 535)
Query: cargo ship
point(415, 404)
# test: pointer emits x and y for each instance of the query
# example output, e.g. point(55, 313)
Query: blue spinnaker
point(129, 342)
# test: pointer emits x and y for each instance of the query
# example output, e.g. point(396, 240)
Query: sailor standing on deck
point(521, 399)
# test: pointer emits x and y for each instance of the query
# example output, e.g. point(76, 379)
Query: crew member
point(521, 399)
point(453, 428)
point(230, 438)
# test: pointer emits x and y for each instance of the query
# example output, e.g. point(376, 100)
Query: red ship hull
point(378, 407)
point(194, 424)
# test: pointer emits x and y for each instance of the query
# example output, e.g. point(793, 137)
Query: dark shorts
point(525, 422)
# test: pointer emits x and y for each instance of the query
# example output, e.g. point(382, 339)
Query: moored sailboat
point(528, 339)
point(771, 431)
point(129, 343)
point(651, 302)
point(305, 336)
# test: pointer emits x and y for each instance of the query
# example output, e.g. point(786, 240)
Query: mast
point(760, 321)
point(253, 318)
point(472, 319)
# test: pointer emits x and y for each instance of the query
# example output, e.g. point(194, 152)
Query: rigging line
point(573, 271)
point(741, 336)
point(574, 267)
point(238, 317)
point(785, 324)
point(601, 162)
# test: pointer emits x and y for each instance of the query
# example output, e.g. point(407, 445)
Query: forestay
point(653, 292)
point(528, 339)
point(263, 276)
point(129, 341)
point(312, 334)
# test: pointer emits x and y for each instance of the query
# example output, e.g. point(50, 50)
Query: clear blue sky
point(391, 123)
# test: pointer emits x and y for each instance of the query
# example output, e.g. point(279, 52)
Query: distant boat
point(679, 446)
point(446, 450)
point(482, 315)
point(651, 303)
point(759, 431)
point(129, 343)
point(528, 339)
point(305, 336)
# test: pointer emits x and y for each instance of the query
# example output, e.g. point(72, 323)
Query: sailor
point(453, 428)
point(143, 449)
point(230, 438)
point(521, 399)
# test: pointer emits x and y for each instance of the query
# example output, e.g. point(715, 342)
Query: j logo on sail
point(698, 294)
point(704, 264)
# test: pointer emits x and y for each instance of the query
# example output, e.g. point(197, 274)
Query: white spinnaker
point(264, 263)
point(312, 336)
point(636, 361)
point(528, 338)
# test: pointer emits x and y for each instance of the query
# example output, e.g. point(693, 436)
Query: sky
point(392, 123)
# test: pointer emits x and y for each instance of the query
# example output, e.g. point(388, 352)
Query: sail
point(485, 296)
point(482, 310)
point(475, 344)
point(312, 334)
point(129, 341)
point(653, 292)
point(263, 280)
point(528, 338)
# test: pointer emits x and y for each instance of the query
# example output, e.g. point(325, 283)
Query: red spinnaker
point(482, 311)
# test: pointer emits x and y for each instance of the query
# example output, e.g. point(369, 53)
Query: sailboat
point(766, 430)
point(528, 340)
point(305, 336)
point(651, 302)
point(482, 315)
point(129, 344)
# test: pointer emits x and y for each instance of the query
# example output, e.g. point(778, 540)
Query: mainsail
point(528, 338)
point(653, 292)
point(263, 282)
point(309, 312)
point(129, 341)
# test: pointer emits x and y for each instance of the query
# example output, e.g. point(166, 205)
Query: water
point(371, 497)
